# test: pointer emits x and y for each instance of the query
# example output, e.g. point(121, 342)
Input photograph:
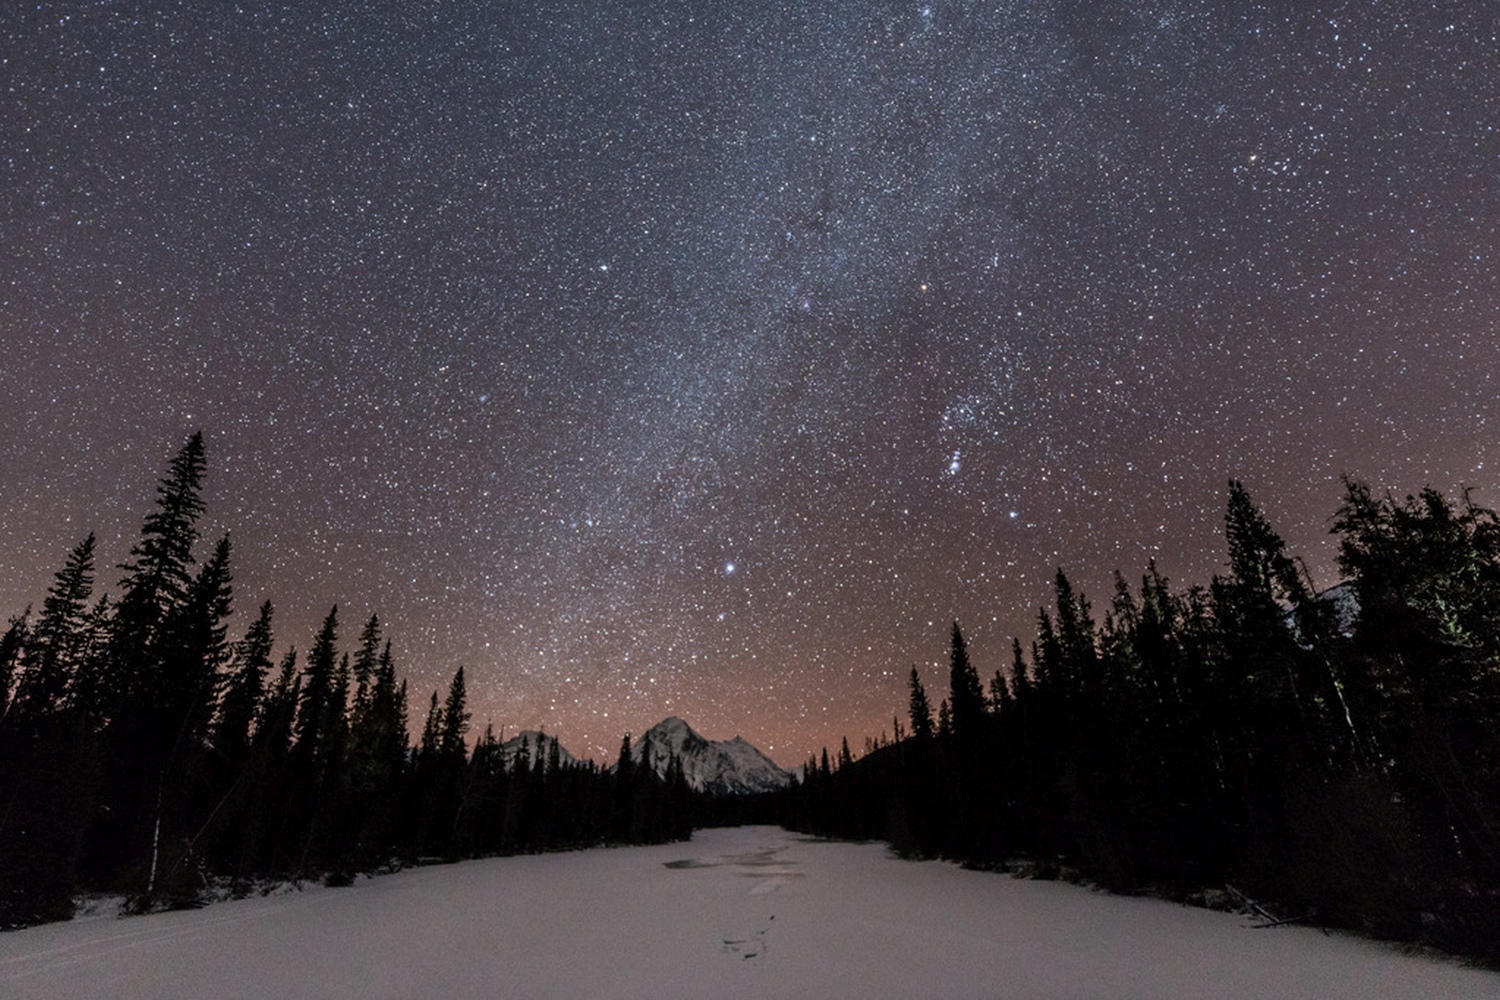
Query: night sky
point(710, 358)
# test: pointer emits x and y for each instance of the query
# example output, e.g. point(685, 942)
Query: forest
point(144, 753)
point(1335, 755)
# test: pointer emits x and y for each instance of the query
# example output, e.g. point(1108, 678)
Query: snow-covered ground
point(753, 912)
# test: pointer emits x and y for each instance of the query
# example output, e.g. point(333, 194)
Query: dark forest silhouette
point(143, 752)
point(1336, 755)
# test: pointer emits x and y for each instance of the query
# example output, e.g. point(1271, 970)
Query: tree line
point(1337, 754)
point(144, 752)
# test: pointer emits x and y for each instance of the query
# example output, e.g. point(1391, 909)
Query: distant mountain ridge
point(718, 767)
point(537, 745)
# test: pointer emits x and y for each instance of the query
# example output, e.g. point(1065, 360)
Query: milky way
point(709, 358)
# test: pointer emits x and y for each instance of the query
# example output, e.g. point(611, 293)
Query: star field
point(709, 359)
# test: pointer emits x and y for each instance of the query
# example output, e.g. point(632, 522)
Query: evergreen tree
point(279, 713)
point(999, 693)
point(47, 780)
point(1426, 666)
point(624, 766)
point(1076, 637)
point(316, 709)
point(622, 797)
point(240, 705)
point(56, 646)
point(366, 662)
point(429, 835)
point(920, 709)
point(967, 696)
point(447, 773)
point(177, 696)
point(1020, 674)
point(135, 693)
point(378, 748)
point(1048, 663)
point(11, 645)
point(315, 763)
point(255, 830)
point(431, 741)
point(193, 652)
point(158, 575)
point(486, 781)
point(336, 807)
point(337, 738)
point(271, 753)
point(89, 685)
point(48, 769)
point(1270, 716)
point(455, 720)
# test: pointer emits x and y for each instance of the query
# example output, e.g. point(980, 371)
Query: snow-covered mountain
point(719, 767)
point(536, 744)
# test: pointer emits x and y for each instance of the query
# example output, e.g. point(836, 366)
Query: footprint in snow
point(752, 947)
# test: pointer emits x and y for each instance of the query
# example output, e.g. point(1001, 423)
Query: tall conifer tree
point(56, 646)
point(159, 572)
point(241, 703)
point(133, 692)
point(920, 708)
point(314, 712)
point(967, 695)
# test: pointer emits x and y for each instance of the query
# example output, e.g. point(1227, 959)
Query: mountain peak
point(719, 767)
point(671, 724)
point(536, 744)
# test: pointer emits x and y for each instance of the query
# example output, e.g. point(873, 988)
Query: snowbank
point(754, 912)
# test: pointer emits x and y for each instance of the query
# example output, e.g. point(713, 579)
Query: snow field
point(752, 912)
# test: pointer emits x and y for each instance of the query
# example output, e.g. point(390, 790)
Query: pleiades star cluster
point(708, 359)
